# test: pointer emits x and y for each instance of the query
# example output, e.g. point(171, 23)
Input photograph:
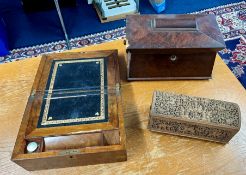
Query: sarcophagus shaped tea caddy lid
point(173, 31)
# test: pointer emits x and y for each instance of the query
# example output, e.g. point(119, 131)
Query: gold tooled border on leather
point(45, 120)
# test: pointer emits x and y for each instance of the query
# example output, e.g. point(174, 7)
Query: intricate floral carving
point(193, 130)
point(194, 116)
point(196, 108)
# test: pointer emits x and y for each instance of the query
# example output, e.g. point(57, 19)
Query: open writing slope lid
point(75, 91)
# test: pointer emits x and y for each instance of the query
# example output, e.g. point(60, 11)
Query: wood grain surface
point(172, 46)
point(148, 152)
point(176, 31)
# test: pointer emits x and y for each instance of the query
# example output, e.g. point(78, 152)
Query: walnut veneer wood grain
point(172, 46)
point(75, 145)
point(39, 90)
point(148, 152)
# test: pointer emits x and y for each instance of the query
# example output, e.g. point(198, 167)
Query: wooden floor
point(148, 152)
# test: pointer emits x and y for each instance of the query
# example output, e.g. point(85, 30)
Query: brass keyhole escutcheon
point(173, 57)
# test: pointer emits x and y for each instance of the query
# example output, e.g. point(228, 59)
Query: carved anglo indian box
point(172, 46)
point(195, 117)
point(73, 115)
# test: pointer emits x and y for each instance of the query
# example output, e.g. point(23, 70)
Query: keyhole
point(173, 57)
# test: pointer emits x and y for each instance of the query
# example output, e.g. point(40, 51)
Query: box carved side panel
point(187, 129)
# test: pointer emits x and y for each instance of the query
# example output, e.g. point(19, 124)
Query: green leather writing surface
point(76, 93)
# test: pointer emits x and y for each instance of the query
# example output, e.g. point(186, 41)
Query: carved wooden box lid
point(197, 117)
point(173, 31)
point(196, 109)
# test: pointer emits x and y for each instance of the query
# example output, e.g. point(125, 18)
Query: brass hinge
point(117, 86)
point(33, 92)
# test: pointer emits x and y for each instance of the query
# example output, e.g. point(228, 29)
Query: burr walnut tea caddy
point(172, 46)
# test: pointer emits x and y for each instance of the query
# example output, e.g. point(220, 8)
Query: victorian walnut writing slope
point(74, 114)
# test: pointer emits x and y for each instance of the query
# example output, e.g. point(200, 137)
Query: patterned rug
point(232, 23)
point(231, 19)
